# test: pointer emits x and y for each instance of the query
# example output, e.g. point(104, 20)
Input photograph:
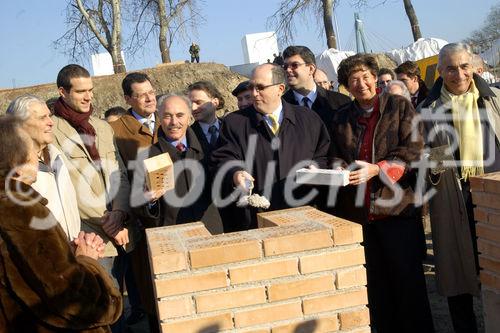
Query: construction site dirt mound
point(166, 78)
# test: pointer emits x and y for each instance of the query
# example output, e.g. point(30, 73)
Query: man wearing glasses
point(269, 138)
point(300, 66)
point(136, 131)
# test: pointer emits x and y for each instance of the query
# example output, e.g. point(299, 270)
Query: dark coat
point(392, 142)
point(422, 92)
point(451, 224)
point(301, 137)
point(43, 286)
point(325, 104)
point(205, 145)
point(189, 185)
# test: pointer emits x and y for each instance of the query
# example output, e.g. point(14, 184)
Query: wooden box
point(159, 172)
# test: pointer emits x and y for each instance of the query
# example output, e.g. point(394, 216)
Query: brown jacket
point(43, 286)
point(131, 135)
point(392, 142)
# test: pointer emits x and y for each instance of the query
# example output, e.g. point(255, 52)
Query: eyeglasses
point(144, 95)
point(293, 65)
point(259, 87)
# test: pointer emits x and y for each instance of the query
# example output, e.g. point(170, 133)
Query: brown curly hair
point(357, 62)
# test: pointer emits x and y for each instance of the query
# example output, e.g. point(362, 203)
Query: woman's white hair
point(453, 48)
point(19, 107)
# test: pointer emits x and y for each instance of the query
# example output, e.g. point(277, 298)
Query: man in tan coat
point(95, 167)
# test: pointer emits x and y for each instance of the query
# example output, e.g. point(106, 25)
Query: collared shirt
point(176, 142)
point(279, 115)
point(206, 126)
point(142, 120)
point(311, 96)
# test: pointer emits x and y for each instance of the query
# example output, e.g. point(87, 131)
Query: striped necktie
point(274, 123)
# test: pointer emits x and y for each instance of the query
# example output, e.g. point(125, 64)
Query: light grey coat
point(452, 242)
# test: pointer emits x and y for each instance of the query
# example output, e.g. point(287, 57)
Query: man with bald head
point(184, 203)
point(463, 104)
point(322, 80)
point(270, 138)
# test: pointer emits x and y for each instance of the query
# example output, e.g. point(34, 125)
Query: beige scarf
point(467, 123)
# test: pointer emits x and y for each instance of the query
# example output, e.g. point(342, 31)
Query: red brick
point(221, 253)
point(353, 319)
point(488, 232)
point(230, 299)
point(297, 242)
point(489, 263)
point(351, 278)
point(268, 314)
point(489, 200)
point(316, 325)
point(476, 184)
point(264, 271)
point(302, 287)
point(335, 301)
point(218, 322)
point(481, 214)
point(488, 248)
point(490, 279)
point(332, 260)
point(489, 182)
point(190, 283)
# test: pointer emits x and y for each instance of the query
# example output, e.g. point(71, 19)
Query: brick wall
point(301, 271)
point(486, 197)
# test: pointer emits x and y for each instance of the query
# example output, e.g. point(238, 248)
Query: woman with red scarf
point(372, 137)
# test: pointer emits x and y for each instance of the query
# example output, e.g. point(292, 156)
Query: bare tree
point(412, 16)
point(93, 23)
point(168, 21)
point(410, 13)
point(482, 38)
point(283, 20)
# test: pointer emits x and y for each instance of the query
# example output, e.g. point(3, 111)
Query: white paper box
point(322, 177)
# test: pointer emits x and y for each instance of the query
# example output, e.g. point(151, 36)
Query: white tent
point(329, 61)
point(422, 48)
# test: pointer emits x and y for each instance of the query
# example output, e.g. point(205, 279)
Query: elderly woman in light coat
point(53, 181)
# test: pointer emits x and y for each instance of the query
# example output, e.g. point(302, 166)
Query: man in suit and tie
point(190, 199)
point(136, 131)
point(206, 100)
point(300, 66)
point(138, 128)
point(270, 139)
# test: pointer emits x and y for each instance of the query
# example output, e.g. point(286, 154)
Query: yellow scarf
point(467, 123)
